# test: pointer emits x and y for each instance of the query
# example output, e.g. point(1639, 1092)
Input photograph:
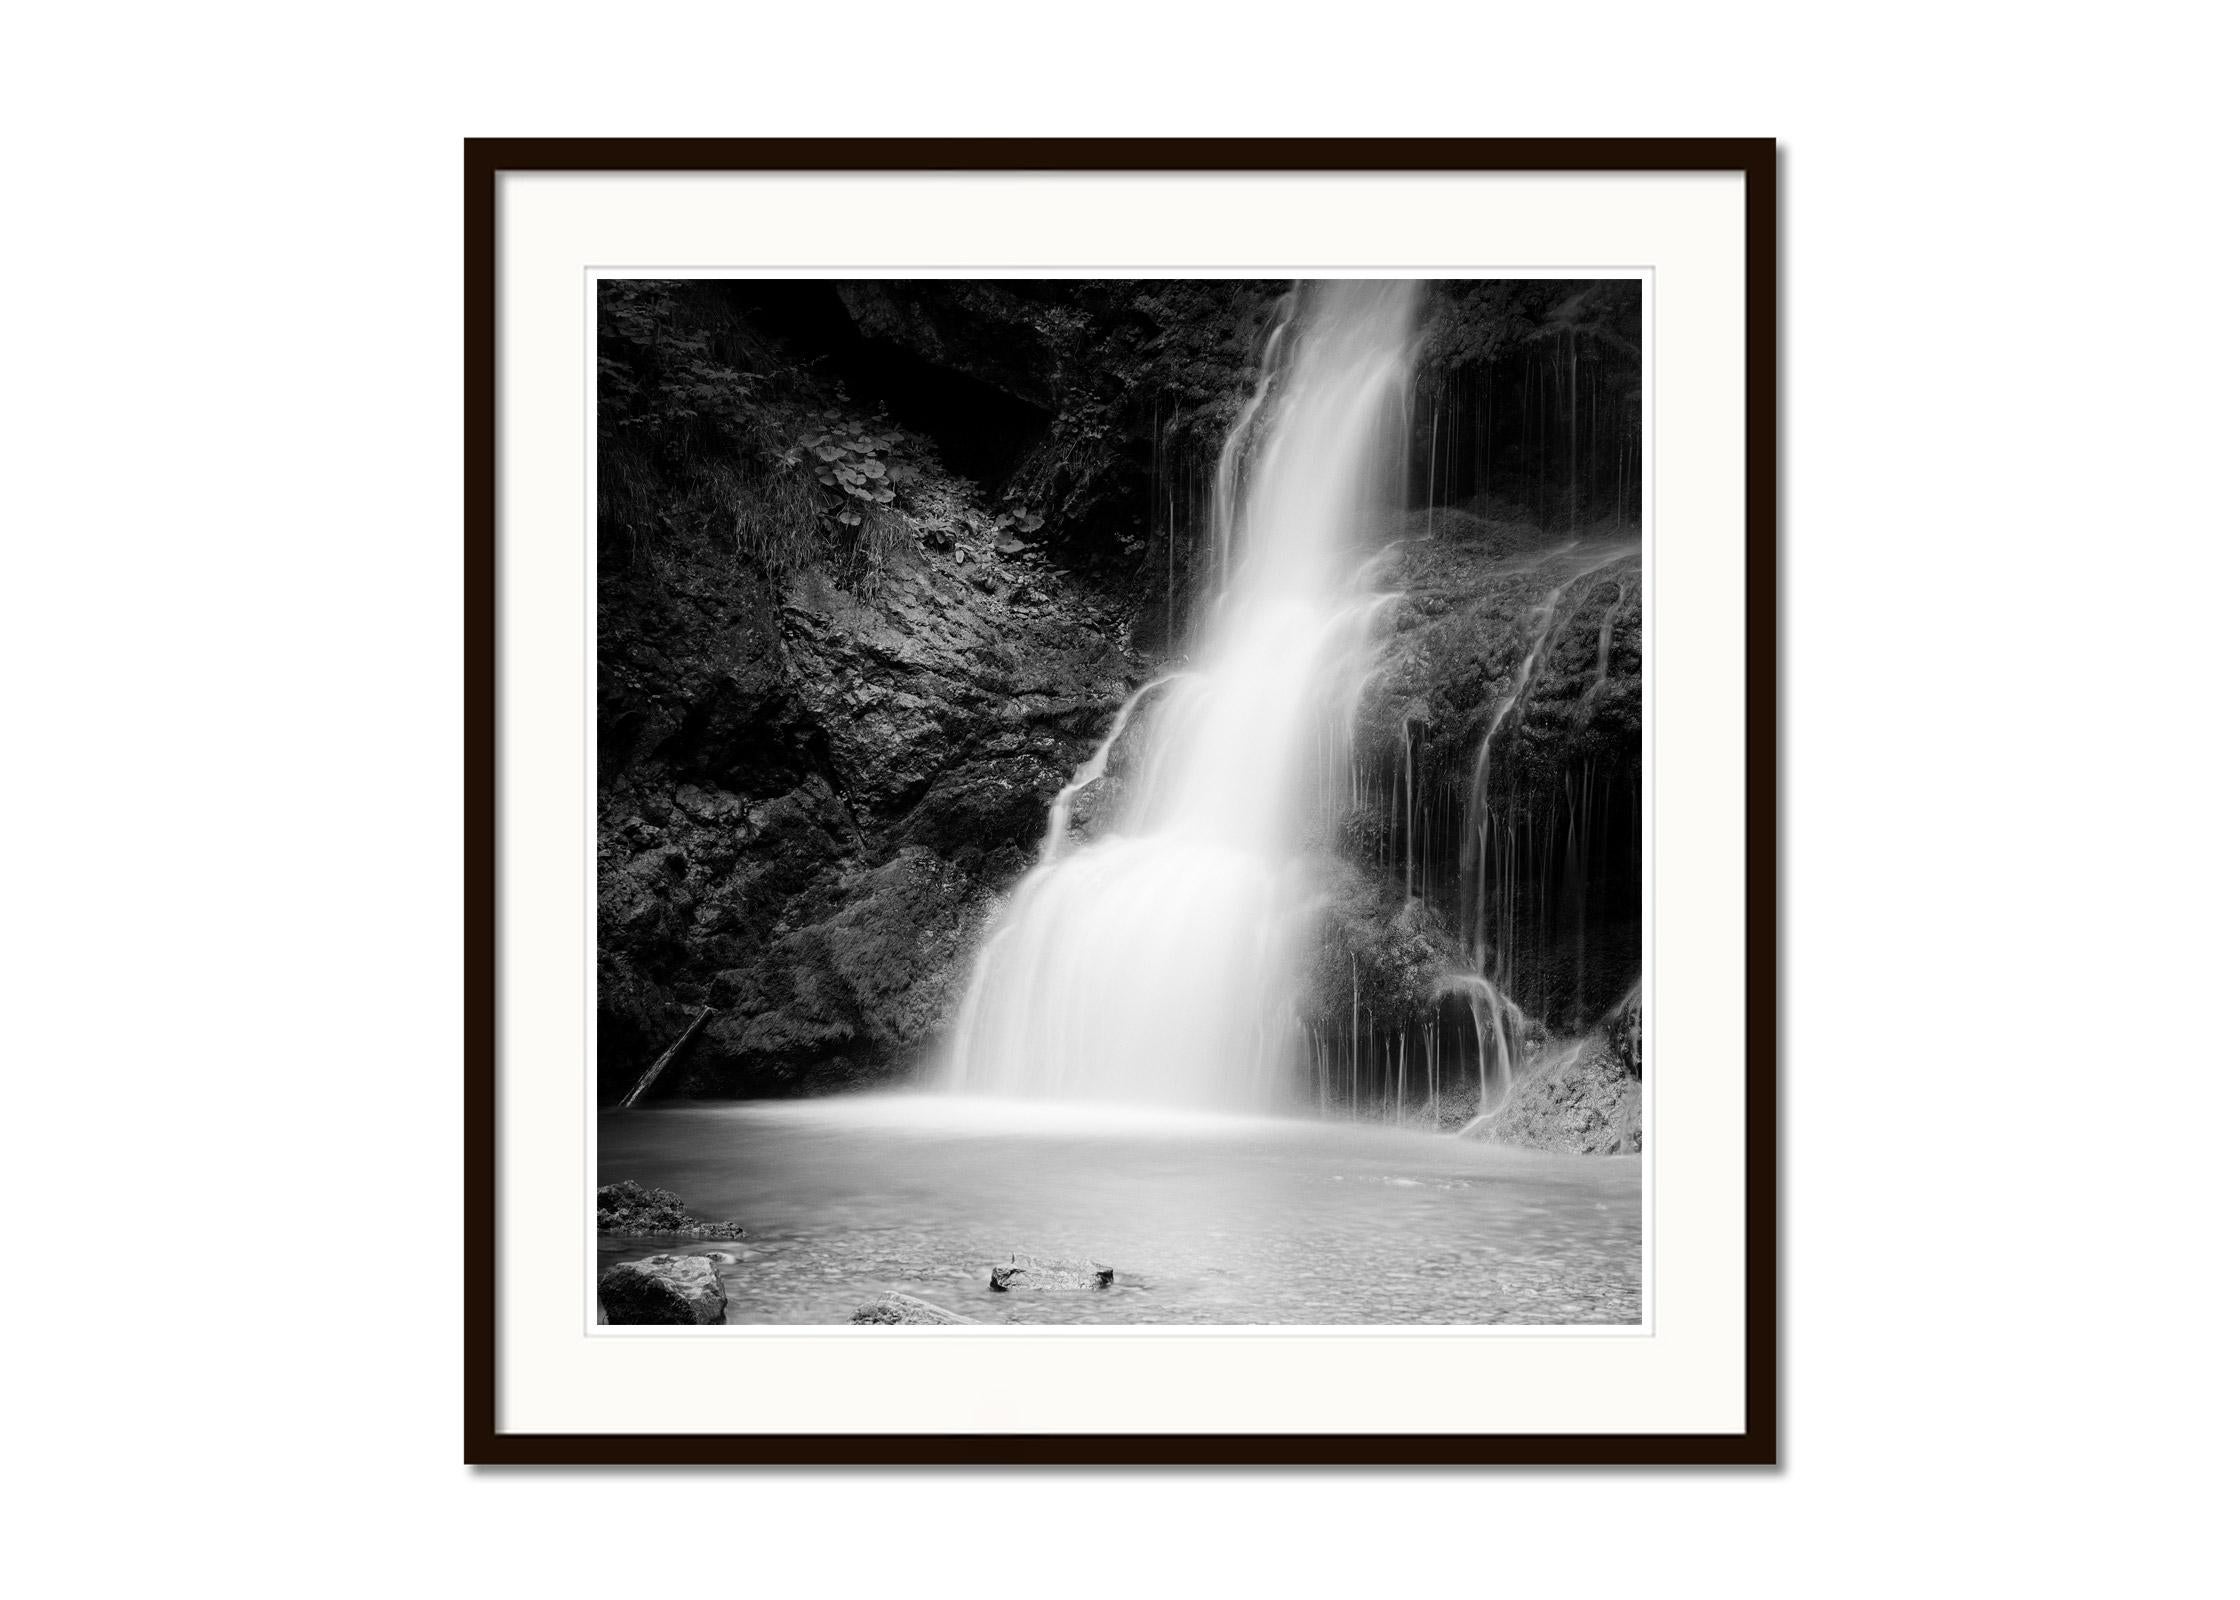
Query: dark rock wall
point(1581, 1098)
point(823, 795)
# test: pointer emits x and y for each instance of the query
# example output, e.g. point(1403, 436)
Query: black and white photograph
point(1121, 801)
point(956, 798)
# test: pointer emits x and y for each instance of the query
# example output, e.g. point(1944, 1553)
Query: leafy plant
point(854, 461)
point(663, 375)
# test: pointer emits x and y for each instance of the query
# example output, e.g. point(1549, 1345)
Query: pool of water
point(1206, 1219)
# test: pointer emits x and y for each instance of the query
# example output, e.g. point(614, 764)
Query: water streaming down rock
point(1569, 566)
point(1489, 880)
point(1492, 865)
point(1161, 963)
point(1233, 448)
point(1497, 1025)
point(1090, 771)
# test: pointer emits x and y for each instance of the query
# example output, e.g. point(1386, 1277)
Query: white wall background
point(229, 643)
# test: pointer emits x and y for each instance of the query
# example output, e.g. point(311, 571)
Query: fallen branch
point(645, 1081)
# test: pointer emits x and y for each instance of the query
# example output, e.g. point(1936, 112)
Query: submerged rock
point(662, 1290)
point(1044, 1272)
point(904, 1310)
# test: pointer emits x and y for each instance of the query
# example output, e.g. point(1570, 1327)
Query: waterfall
point(1161, 962)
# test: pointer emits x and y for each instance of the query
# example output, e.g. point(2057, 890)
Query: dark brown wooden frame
point(487, 160)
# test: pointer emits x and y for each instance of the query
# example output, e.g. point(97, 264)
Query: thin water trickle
point(1061, 808)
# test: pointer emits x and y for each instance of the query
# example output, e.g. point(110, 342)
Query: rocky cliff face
point(815, 793)
point(1579, 1096)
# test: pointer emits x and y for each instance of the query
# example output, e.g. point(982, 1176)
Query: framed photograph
point(1121, 801)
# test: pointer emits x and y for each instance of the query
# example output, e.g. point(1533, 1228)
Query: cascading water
point(1488, 851)
point(1574, 563)
point(1160, 963)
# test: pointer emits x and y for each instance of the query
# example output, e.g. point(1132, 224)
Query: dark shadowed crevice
point(981, 430)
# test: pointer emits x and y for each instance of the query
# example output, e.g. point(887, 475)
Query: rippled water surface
point(1206, 1219)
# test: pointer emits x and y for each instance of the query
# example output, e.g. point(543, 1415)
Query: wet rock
point(860, 988)
point(1577, 1097)
point(1624, 1030)
point(905, 1310)
point(662, 1291)
point(1494, 616)
point(630, 1208)
point(1025, 1272)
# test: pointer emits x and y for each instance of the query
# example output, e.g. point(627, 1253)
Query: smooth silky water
point(1159, 964)
point(1206, 1218)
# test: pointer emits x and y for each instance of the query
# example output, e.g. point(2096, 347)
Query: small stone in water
point(893, 1309)
point(1043, 1272)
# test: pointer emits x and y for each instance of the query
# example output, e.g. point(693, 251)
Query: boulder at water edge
point(662, 1290)
point(904, 1310)
point(628, 1208)
point(1044, 1272)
